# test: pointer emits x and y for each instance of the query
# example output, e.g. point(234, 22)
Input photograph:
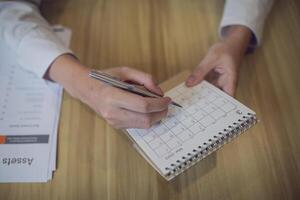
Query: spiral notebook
point(209, 119)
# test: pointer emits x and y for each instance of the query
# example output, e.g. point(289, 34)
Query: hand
point(221, 63)
point(119, 108)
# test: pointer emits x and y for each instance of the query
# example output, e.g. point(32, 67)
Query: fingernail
point(169, 100)
point(191, 80)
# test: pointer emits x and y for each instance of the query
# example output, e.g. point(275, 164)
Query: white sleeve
point(28, 34)
point(249, 13)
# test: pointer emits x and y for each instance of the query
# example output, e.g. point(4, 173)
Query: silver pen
point(114, 81)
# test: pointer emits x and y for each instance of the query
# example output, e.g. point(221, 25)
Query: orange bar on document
point(2, 139)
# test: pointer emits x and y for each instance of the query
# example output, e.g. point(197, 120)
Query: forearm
point(68, 71)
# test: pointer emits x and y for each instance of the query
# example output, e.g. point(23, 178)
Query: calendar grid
point(201, 108)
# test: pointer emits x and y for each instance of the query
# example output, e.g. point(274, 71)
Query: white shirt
point(26, 32)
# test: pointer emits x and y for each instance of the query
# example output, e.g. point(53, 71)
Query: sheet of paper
point(206, 111)
point(29, 113)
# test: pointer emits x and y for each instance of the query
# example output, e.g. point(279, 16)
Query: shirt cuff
point(39, 49)
point(256, 32)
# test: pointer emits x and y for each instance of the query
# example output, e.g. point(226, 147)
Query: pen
point(114, 81)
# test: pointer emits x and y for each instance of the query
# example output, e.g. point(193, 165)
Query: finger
point(155, 104)
point(141, 78)
point(133, 102)
point(200, 72)
point(230, 88)
point(140, 120)
point(228, 83)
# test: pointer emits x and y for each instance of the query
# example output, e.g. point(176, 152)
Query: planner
point(209, 119)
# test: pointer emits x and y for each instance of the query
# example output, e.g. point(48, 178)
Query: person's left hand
point(221, 63)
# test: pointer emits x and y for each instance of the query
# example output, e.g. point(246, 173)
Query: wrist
point(67, 71)
point(238, 38)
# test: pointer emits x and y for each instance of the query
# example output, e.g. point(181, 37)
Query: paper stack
point(29, 115)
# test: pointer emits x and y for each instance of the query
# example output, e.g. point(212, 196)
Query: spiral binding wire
point(213, 144)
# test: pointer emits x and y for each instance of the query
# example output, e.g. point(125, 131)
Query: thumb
point(199, 73)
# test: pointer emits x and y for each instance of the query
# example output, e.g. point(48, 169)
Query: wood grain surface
point(165, 37)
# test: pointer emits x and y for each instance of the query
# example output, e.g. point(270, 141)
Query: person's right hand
point(119, 108)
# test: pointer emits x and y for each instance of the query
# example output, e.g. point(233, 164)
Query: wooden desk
point(163, 38)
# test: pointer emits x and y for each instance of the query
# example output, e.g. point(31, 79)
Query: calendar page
point(205, 112)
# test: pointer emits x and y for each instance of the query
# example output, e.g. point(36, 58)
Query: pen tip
point(176, 104)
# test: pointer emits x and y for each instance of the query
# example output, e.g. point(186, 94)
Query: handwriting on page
point(201, 108)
